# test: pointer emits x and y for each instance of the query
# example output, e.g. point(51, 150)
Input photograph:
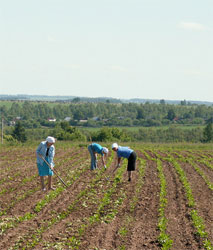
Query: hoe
point(41, 156)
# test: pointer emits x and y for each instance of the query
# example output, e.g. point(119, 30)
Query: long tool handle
point(41, 156)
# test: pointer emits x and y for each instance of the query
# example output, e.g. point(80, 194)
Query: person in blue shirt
point(95, 149)
point(128, 153)
point(46, 149)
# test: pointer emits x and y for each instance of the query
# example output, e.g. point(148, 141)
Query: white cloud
point(192, 26)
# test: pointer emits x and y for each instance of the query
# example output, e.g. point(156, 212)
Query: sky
point(149, 49)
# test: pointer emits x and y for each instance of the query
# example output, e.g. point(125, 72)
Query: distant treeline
point(63, 131)
point(68, 99)
point(37, 114)
point(39, 119)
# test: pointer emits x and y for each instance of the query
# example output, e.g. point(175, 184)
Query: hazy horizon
point(102, 97)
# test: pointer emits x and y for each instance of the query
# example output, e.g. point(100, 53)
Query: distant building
point(96, 118)
point(82, 121)
point(67, 119)
point(12, 123)
point(51, 120)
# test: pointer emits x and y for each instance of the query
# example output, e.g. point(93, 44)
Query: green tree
point(19, 132)
point(104, 134)
point(76, 100)
point(183, 103)
point(208, 132)
point(171, 114)
point(64, 131)
point(140, 113)
point(162, 102)
point(15, 109)
point(65, 125)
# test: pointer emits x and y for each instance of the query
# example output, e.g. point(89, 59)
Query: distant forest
point(63, 99)
point(52, 115)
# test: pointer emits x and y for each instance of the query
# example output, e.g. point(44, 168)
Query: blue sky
point(107, 48)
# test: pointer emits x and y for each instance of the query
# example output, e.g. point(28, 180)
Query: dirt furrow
point(206, 170)
point(105, 235)
point(58, 204)
point(143, 230)
point(203, 197)
point(179, 225)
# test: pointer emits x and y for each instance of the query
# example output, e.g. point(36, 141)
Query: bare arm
point(103, 160)
point(118, 164)
point(119, 161)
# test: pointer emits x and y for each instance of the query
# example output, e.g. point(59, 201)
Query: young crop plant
point(148, 156)
point(197, 169)
point(198, 224)
point(121, 248)
point(6, 223)
point(201, 173)
point(106, 200)
point(100, 214)
point(129, 218)
point(23, 195)
point(61, 216)
point(185, 183)
point(142, 168)
point(101, 200)
point(164, 238)
point(207, 163)
point(123, 231)
point(41, 204)
point(196, 219)
point(53, 194)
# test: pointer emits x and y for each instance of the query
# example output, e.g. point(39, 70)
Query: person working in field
point(128, 153)
point(95, 149)
point(46, 150)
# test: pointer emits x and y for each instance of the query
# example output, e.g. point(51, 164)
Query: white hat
point(114, 145)
point(105, 150)
point(50, 139)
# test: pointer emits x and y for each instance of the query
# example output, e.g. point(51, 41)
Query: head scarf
point(50, 139)
point(114, 145)
point(105, 150)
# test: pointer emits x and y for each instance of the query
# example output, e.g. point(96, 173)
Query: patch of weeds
point(122, 231)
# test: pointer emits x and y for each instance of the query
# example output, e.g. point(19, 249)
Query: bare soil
point(130, 228)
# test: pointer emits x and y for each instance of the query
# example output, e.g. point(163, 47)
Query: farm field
point(167, 205)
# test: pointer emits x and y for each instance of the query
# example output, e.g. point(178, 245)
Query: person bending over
point(95, 149)
point(127, 153)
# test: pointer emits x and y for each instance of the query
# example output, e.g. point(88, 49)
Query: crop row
point(85, 194)
point(7, 223)
point(63, 218)
point(196, 219)
point(22, 195)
